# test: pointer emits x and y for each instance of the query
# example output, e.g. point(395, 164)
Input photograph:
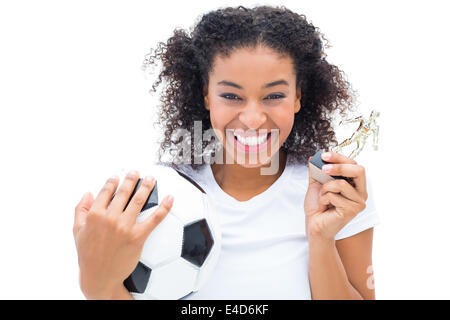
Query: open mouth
point(252, 144)
point(252, 141)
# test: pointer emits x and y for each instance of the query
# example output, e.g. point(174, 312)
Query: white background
point(75, 109)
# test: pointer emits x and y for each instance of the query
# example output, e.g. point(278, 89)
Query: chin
point(247, 165)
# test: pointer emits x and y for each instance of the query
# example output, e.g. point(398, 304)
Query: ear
point(205, 94)
point(298, 106)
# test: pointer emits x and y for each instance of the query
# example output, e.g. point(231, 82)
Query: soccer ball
point(183, 249)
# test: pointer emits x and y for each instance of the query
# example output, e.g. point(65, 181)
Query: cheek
point(283, 117)
point(220, 116)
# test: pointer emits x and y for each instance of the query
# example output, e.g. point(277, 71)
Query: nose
point(253, 115)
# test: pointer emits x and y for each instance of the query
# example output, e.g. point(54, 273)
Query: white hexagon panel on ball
point(181, 252)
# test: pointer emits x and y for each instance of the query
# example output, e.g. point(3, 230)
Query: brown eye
point(277, 96)
point(228, 95)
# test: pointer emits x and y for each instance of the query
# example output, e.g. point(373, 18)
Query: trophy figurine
point(366, 127)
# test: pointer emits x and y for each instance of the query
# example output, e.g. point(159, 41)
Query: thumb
point(83, 207)
point(86, 201)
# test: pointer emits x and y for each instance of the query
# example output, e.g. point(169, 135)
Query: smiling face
point(250, 94)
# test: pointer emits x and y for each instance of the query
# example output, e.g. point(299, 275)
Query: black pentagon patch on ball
point(152, 199)
point(137, 281)
point(197, 242)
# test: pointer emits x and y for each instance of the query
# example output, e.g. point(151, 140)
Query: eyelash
point(280, 96)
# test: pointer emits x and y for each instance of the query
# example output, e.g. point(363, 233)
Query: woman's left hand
point(329, 207)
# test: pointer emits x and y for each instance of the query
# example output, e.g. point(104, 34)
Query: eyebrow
point(268, 85)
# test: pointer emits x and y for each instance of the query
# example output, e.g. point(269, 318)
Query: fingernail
point(327, 167)
point(326, 155)
point(169, 199)
point(132, 173)
point(83, 197)
point(148, 179)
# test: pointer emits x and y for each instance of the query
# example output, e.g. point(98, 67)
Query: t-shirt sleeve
point(364, 220)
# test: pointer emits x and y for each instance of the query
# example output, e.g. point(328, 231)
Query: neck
point(231, 175)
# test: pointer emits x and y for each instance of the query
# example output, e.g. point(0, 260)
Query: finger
point(81, 210)
point(145, 227)
point(122, 196)
point(104, 196)
point(354, 171)
point(344, 207)
point(139, 199)
point(335, 157)
point(344, 188)
point(324, 200)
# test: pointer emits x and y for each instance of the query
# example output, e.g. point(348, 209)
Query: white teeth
point(251, 141)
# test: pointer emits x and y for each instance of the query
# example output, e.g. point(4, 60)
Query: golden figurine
point(366, 127)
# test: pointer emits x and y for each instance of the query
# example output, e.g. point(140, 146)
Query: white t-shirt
point(265, 251)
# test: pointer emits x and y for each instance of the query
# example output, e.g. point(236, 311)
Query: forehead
point(253, 65)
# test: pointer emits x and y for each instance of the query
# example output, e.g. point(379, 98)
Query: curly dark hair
point(187, 59)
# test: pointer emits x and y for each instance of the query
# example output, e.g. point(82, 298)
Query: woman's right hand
point(108, 239)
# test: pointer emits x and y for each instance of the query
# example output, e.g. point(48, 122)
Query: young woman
point(259, 79)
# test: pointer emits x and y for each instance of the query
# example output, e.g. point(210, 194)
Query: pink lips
point(252, 149)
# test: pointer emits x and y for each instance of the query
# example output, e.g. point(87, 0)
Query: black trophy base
point(317, 174)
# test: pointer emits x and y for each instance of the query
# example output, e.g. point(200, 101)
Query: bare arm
point(338, 269)
point(356, 256)
point(120, 293)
